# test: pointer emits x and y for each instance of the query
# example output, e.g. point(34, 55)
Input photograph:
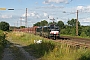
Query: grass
point(76, 36)
point(48, 50)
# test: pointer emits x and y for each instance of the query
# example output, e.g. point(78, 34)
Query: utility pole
point(20, 21)
point(77, 24)
point(26, 18)
point(52, 20)
point(17, 23)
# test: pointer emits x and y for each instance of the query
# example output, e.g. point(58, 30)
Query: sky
point(38, 10)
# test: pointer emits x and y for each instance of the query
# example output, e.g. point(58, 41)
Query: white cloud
point(45, 2)
point(51, 17)
point(85, 20)
point(32, 14)
point(55, 1)
point(80, 7)
point(6, 16)
point(83, 8)
point(45, 14)
point(37, 16)
point(25, 14)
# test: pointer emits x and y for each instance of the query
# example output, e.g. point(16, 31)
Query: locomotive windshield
point(54, 28)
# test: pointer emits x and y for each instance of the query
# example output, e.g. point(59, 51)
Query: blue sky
point(39, 10)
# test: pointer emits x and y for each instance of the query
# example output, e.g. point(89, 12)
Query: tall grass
point(49, 50)
point(2, 42)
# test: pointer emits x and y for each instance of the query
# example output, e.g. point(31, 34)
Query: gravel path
point(8, 55)
point(25, 54)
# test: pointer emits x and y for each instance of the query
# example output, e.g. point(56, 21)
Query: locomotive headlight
point(54, 32)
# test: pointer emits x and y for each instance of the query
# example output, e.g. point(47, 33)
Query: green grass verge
point(75, 36)
point(48, 50)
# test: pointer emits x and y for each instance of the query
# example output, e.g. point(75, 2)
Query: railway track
point(74, 41)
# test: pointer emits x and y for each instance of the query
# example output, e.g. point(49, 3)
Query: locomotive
point(51, 31)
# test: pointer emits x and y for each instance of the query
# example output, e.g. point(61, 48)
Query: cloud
point(45, 2)
point(31, 14)
point(80, 7)
point(45, 14)
point(85, 20)
point(25, 14)
point(6, 16)
point(55, 1)
point(51, 17)
point(83, 8)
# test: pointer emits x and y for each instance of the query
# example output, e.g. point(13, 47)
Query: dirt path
point(16, 52)
point(25, 54)
point(8, 55)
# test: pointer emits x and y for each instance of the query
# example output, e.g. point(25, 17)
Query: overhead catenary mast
point(20, 21)
point(26, 18)
point(77, 24)
point(52, 20)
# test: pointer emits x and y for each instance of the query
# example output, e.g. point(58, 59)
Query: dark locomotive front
point(51, 31)
point(54, 31)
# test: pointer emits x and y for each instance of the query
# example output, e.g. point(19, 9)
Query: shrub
point(85, 56)
point(83, 34)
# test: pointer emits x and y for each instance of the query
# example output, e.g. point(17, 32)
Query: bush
point(2, 38)
point(4, 26)
point(83, 34)
point(85, 56)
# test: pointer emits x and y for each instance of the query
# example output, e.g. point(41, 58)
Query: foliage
point(2, 38)
point(2, 42)
point(83, 34)
point(42, 23)
point(37, 24)
point(40, 49)
point(88, 32)
point(72, 22)
point(4, 26)
point(60, 24)
point(22, 26)
point(85, 56)
point(72, 32)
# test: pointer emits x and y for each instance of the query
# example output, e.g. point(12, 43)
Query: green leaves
point(60, 24)
point(72, 22)
point(42, 23)
point(4, 26)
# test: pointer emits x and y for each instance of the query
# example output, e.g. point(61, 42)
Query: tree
point(4, 26)
point(60, 24)
point(72, 22)
point(22, 26)
point(88, 31)
point(37, 24)
point(42, 23)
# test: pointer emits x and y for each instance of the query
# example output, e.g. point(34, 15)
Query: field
point(48, 49)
